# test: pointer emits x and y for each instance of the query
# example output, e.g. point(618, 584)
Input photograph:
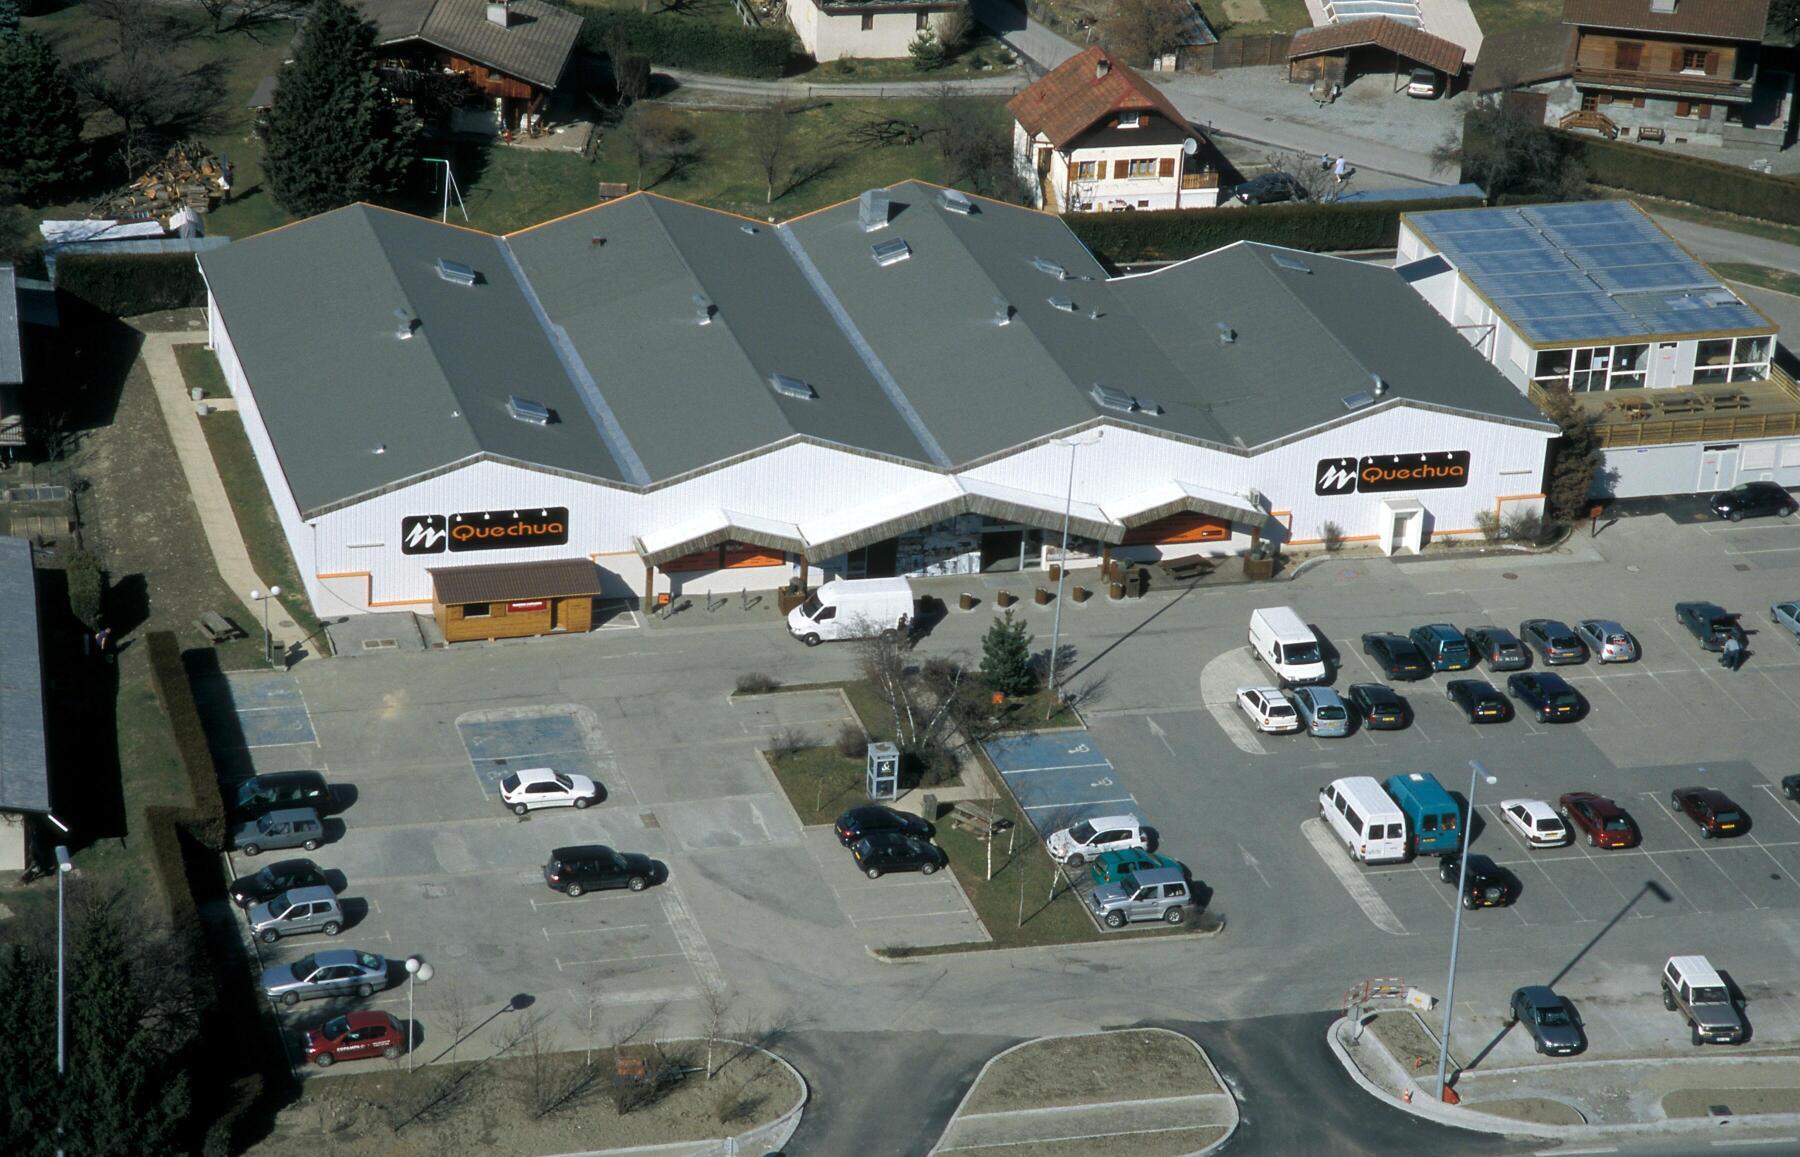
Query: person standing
point(1731, 654)
point(1341, 170)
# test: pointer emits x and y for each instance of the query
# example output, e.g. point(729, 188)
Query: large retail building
point(917, 382)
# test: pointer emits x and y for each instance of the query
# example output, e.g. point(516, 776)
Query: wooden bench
point(217, 628)
point(974, 817)
point(1650, 133)
point(1188, 569)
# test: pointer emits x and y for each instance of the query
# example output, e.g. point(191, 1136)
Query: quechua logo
point(484, 530)
point(1383, 473)
point(423, 534)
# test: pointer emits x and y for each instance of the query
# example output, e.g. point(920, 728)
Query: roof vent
point(405, 324)
point(1114, 399)
point(703, 310)
point(890, 252)
point(1102, 66)
point(455, 271)
point(1358, 400)
point(1003, 311)
point(526, 410)
point(1288, 261)
point(1377, 385)
point(1721, 297)
point(1227, 335)
point(1665, 7)
point(872, 209)
point(792, 387)
point(380, 448)
point(1045, 265)
point(955, 201)
point(1066, 304)
point(750, 229)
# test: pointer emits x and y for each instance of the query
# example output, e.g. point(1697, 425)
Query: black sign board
point(1382, 473)
point(484, 530)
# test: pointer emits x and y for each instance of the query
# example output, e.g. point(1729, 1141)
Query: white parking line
point(693, 942)
point(1056, 767)
point(1781, 805)
point(1038, 807)
point(1738, 1142)
point(1702, 849)
point(1353, 880)
point(907, 916)
point(591, 931)
point(562, 964)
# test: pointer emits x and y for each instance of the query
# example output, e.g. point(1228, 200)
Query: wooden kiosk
point(513, 599)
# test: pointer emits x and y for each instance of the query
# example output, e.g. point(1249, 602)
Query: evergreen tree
point(335, 136)
point(1006, 656)
point(121, 1094)
point(28, 1092)
point(9, 19)
point(40, 119)
point(1574, 458)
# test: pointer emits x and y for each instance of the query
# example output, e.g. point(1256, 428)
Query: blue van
point(1431, 815)
point(1444, 647)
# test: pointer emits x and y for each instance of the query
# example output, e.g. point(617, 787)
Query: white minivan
point(1366, 818)
point(1283, 641)
point(852, 609)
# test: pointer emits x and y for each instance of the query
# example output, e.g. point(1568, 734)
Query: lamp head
point(63, 863)
point(413, 963)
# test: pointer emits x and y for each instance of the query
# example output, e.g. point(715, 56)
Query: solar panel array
point(1591, 271)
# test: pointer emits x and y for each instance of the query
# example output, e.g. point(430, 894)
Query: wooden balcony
point(1675, 83)
point(1206, 180)
point(1587, 118)
point(1723, 413)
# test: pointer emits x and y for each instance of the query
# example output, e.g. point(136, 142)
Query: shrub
point(1488, 523)
point(788, 741)
point(169, 679)
point(1006, 656)
point(1523, 525)
point(1728, 188)
point(927, 52)
point(679, 42)
point(851, 742)
point(87, 589)
point(1332, 535)
point(127, 284)
point(756, 683)
point(1173, 234)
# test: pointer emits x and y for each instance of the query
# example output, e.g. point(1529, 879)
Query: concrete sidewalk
point(1116, 1120)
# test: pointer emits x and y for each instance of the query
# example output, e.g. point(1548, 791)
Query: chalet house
point(510, 53)
point(1647, 69)
point(1093, 136)
point(869, 29)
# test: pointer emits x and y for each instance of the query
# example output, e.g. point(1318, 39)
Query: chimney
point(1666, 7)
point(498, 12)
point(1102, 66)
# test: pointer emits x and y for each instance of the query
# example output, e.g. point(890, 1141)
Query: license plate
point(1726, 827)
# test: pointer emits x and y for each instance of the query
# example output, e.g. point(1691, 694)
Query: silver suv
point(297, 910)
point(1152, 894)
point(291, 828)
point(1692, 987)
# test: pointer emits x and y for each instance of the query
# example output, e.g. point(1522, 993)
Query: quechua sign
point(484, 530)
point(1381, 473)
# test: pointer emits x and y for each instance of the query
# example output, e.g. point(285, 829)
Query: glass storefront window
point(1716, 352)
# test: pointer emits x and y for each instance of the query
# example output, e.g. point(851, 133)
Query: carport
point(1339, 53)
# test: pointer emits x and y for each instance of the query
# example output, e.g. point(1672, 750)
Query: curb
point(1112, 939)
point(1237, 1116)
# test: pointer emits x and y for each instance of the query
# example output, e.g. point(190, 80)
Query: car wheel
point(1706, 833)
point(1115, 919)
point(324, 1060)
point(1469, 903)
point(1736, 516)
point(1174, 916)
point(311, 845)
point(582, 801)
point(575, 890)
point(1694, 1034)
point(1075, 859)
point(269, 936)
point(1784, 512)
point(1668, 1000)
point(1674, 804)
point(872, 873)
point(365, 990)
point(391, 1053)
point(332, 928)
point(927, 868)
point(519, 809)
point(290, 998)
point(810, 640)
point(253, 849)
point(637, 883)
point(1593, 840)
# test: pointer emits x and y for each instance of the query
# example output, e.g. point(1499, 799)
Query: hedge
point(1727, 188)
point(684, 42)
point(127, 284)
point(1172, 234)
point(205, 822)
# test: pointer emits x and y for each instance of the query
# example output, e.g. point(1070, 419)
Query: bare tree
point(926, 703)
point(770, 133)
point(1142, 30)
point(1502, 148)
point(234, 14)
point(455, 1013)
point(144, 83)
point(653, 134)
point(715, 1014)
point(976, 152)
point(631, 77)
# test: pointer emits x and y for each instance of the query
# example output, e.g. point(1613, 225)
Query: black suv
point(1488, 884)
point(1500, 647)
point(275, 879)
point(261, 794)
point(1269, 189)
point(1749, 499)
point(1396, 656)
point(586, 867)
point(1710, 623)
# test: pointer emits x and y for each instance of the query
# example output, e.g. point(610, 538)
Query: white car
point(537, 787)
point(1536, 822)
point(1077, 844)
point(1787, 615)
point(1268, 708)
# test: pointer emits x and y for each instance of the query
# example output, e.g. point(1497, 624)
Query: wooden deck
point(1765, 409)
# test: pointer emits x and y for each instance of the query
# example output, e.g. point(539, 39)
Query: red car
point(354, 1036)
point(1712, 810)
point(1605, 822)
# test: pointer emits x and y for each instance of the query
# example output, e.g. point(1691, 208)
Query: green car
point(1111, 865)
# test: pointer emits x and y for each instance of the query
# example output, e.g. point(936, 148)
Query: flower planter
point(1259, 568)
point(965, 602)
point(1041, 596)
point(1116, 591)
point(1004, 599)
point(1081, 594)
point(1055, 571)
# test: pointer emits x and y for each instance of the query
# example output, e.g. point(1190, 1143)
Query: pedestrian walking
point(1341, 170)
point(1731, 654)
point(1324, 162)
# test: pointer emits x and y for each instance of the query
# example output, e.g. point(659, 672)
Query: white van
point(851, 609)
point(1369, 822)
point(1281, 639)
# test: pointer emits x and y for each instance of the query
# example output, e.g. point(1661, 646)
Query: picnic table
point(1187, 569)
point(977, 818)
point(1680, 404)
point(1730, 400)
point(217, 628)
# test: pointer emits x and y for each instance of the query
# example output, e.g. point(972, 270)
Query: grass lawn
point(820, 783)
point(984, 56)
point(705, 11)
point(1282, 16)
point(1059, 1071)
point(200, 367)
point(1500, 15)
point(255, 515)
point(1779, 280)
point(1681, 210)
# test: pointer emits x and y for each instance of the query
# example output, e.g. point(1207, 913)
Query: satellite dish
point(1190, 146)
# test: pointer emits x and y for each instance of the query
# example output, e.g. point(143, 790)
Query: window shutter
point(1120, 170)
point(1675, 59)
point(1704, 112)
point(1683, 108)
point(1165, 167)
point(1712, 63)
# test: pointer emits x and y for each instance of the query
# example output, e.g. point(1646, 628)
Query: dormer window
point(1131, 120)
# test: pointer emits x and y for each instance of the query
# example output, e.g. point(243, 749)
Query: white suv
point(1079, 843)
point(1268, 708)
point(536, 787)
point(1694, 988)
point(1536, 822)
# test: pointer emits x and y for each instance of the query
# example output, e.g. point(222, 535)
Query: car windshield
point(1555, 1016)
point(1710, 994)
point(336, 1027)
point(247, 793)
point(1301, 652)
point(280, 903)
point(510, 783)
point(562, 780)
point(810, 608)
point(1082, 832)
point(618, 861)
point(266, 877)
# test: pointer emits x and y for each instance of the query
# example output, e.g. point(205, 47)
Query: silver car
point(334, 972)
point(297, 910)
point(1325, 714)
point(1152, 894)
point(1609, 642)
point(1787, 616)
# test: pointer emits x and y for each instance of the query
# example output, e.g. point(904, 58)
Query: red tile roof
point(1728, 19)
point(1077, 94)
point(1405, 40)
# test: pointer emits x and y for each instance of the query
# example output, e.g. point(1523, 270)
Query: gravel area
point(1087, 1070)
point(1536, 1110)
point(1741, 1102)
point(1367, 110)
point(1174, 1143)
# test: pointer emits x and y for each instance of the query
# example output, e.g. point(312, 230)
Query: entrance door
point(556, 615)
point(1000, 549)
point(1718, 469)
point(882, 559)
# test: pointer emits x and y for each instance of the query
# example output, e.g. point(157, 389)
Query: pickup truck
point(1710, 623)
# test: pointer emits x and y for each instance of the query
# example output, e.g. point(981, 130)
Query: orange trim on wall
point(1508, 498)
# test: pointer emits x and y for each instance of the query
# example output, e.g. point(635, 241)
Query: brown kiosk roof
point(497, 582)
point(1401, 39)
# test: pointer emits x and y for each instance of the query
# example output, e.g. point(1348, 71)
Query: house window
point(1744, 359)
point(1084, 170)
point(1590, 101)
point(868, 22)
point(1693, 60)
point(477, 610)
point(1622, 367)
point(1131, 120)
point(1142, 167)
point(922, 21)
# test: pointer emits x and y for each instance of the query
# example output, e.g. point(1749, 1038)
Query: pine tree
point(28, 1092)
point(1574, 457)
point(40, 120)
point(9, 19)
point(1006, 656)
point(335, 136)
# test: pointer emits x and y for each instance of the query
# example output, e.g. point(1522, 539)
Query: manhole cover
point(1506, 574)
point(1719, 1110)
point(649, 819)
point(1740, 566)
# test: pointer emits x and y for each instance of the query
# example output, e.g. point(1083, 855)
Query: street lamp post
point(416, 970)
point(63, 867)
point(265, 600)
point(1476, 771)
point(1062, 567)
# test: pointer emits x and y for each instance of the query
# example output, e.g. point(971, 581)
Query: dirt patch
point(1246, 12)
point(1086, 1070)
point(1174, 1143)
point(1409, 1042)
point(493, 1106)
point(1741, 1102)
point(1536, 1110)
